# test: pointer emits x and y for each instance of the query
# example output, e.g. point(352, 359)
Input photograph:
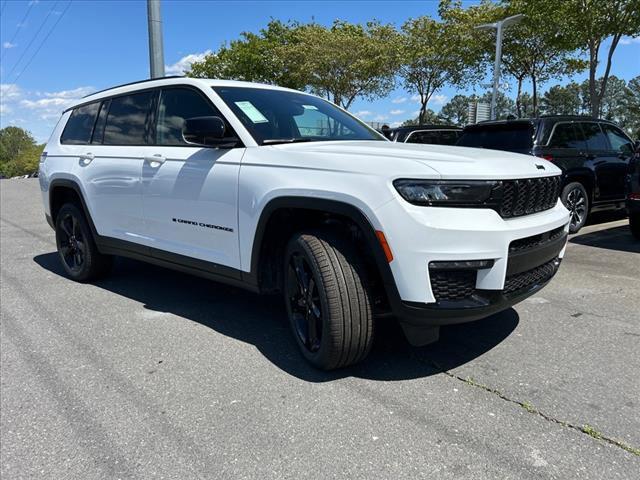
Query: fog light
point(461, 265)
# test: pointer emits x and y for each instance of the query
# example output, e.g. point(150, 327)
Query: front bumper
point(524, 255)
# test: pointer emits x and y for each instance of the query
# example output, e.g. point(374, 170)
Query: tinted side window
point(176, 105)
point(618, 140)
point(127, 119)
point(98, 131)
point(566, 135)
point(80, 125)
point(423, 137)
point(594, 136)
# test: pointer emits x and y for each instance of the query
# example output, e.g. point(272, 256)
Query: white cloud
point(9, 92)
point(380, 118)
point(184, 64)
point(9, 45)
point(399, 100)
point(629, 40)
point(363, 113)
point(439, 99)
point(74, 94)
point(397, 112)
point(5, 109)
point(415, 98)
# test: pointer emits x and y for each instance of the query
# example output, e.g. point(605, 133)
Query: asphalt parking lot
point(155, 374)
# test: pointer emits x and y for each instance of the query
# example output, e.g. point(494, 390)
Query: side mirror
point(206, 131)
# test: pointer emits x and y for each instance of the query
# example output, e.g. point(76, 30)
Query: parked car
point(431, 134)
point(275, 190)
point(594, 156)
point(633, 199)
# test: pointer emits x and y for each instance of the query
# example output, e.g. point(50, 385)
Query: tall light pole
point(499, 26)
point(156, 49)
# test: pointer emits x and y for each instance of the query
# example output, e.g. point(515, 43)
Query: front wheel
point(574, 197)
point(77, 250)
point(327, 298)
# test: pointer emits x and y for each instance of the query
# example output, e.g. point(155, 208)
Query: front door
point(190, 193)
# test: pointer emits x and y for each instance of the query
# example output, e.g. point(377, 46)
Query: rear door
point(609, 175)
point(566, 148)
point(111, 165)
point(190, 193)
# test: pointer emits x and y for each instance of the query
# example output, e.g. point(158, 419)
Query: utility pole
point(499, 26)
point(156, 49)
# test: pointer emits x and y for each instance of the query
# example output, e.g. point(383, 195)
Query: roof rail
point(134, 83)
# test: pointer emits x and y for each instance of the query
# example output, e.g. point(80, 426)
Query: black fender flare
point(73, 185)
point(329, 206)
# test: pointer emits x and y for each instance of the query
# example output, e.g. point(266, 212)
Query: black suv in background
point(595, 156)
point(431, 134)
point(633, 201)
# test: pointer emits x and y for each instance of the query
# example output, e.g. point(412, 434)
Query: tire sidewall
point(298, 245)
point(84, 272)
point(565, 194)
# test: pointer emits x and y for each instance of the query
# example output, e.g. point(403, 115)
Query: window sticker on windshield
point(252, 112)
point(309, 107)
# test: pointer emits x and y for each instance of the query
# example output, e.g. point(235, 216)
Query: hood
point(401, 159)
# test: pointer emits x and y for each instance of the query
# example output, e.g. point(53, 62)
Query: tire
point(76, 247)
point(575, 198)
point(325, 287)
point(634, 225)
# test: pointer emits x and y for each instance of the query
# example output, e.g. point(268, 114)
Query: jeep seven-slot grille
point(453, 284)
point(530, 278)
point(529, 195)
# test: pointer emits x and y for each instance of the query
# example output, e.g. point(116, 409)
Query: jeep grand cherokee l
point(275, 190)
point(594, 156)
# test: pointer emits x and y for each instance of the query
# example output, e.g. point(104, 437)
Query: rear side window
point(177, 105)
point(78, 129)
point(566, 135)
point(618, 140)
point(127, 120)
point(594, 136)
point(509, 137)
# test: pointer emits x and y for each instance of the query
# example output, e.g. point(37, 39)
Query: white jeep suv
point(275, 190)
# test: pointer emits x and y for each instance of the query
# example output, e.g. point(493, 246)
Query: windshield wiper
point(275, 141)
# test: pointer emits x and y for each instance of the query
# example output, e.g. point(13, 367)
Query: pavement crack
point(585, 429)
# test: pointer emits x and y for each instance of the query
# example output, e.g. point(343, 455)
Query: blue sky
point(53, 52)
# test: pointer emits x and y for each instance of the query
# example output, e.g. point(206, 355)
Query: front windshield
point(279, 116)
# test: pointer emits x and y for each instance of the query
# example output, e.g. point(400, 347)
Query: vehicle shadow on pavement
point(615, 238)
point(261, 321)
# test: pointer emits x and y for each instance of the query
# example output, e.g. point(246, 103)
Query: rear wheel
point(327, 298)
point(77, 250)
point(575, 198)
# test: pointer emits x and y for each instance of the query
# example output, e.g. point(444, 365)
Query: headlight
point(446, 192)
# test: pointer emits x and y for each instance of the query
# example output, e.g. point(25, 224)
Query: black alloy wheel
point(575, 199)
point(73, 245)
point(77, 250)
point(304, 303)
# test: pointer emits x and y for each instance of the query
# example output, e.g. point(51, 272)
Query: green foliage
point(19, 153)
point(347, 61)
point(430, 118)
point(562, 100)
point(456, 111)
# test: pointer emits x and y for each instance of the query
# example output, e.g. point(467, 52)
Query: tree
point(562, 100)
point(632, 107)
point(524, 106)
point(430, 117)
point(585, 25)
point(505, 107)
point(435, 54)
point(346, 61)
point(261, 57)
point(18, 153)
point(456, 111)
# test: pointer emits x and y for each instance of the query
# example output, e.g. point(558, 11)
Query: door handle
point(86, 158)
point(155, 160)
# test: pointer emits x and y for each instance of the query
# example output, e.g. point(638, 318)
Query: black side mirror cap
point(204, 131)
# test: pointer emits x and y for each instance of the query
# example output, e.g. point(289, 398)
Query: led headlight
point(445, 192)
